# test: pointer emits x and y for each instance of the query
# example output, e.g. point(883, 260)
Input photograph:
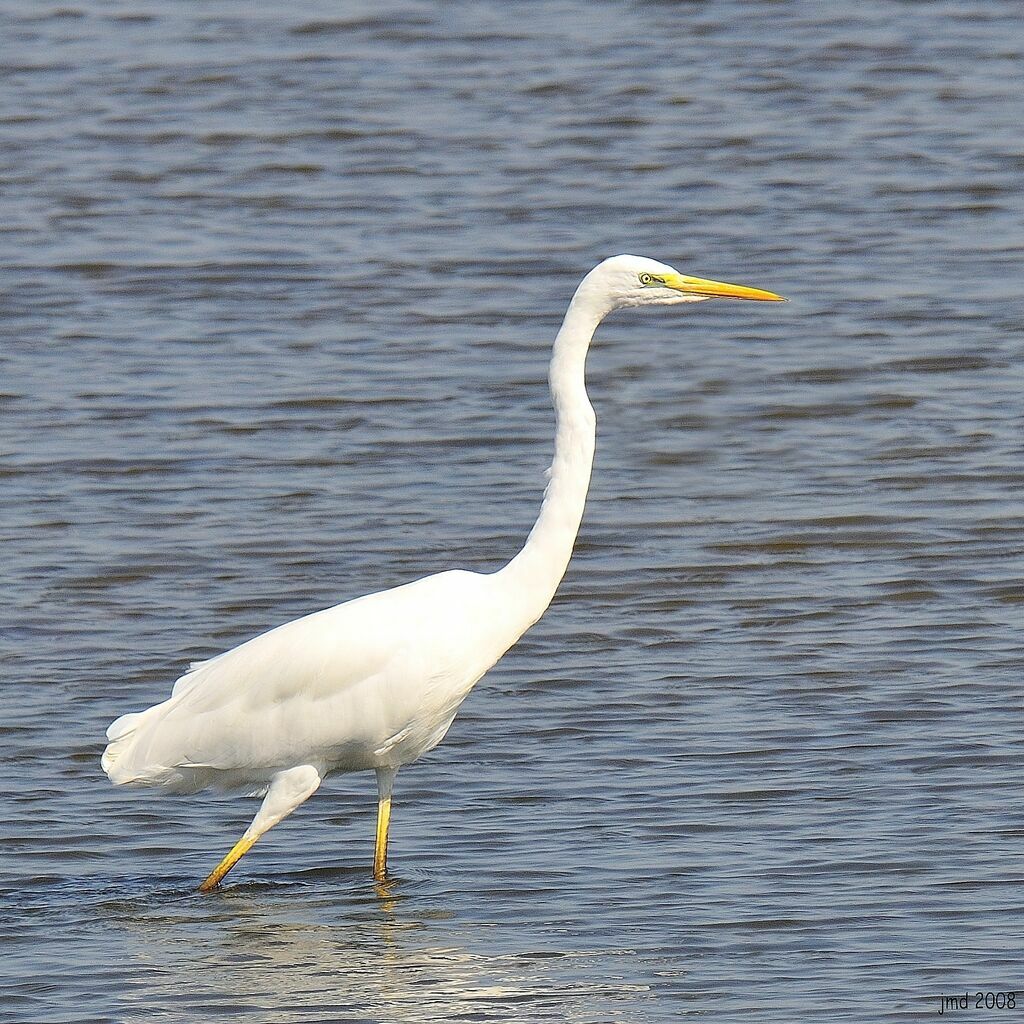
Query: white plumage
point(357, 686)
point(375, 682)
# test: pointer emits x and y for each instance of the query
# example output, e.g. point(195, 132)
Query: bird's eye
point(649, 279)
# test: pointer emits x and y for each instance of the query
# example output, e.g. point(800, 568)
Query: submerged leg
point(287, 790)
point(385, 783)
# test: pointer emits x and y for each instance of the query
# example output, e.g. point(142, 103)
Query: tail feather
point(129, 757)
point(122, 726)
point(123, 733)
point(120, 738)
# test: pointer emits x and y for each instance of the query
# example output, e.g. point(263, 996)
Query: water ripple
point(278, 293)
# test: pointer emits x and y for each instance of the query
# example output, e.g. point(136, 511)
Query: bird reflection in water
point(367, 956)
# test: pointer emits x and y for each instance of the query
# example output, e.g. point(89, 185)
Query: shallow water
point(278, 292)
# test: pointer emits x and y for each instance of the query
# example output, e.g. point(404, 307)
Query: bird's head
point(637, 281)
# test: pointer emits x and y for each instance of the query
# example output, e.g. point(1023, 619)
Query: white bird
point(374, 683)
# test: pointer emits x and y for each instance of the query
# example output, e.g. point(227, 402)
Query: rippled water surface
point(278, 288)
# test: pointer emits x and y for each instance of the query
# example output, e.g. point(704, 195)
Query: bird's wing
point(338, 684)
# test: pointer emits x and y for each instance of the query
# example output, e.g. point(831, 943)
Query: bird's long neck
point(534, 574)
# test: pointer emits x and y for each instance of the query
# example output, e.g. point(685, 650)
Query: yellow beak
point(718, 289)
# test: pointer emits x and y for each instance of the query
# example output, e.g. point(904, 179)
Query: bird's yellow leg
point(380, 851)
point(286, 791)
point(235, 854)
point(385, 782)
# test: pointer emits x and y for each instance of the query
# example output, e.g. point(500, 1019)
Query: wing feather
point(343, 685)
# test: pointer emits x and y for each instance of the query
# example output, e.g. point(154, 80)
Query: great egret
point(376, 682)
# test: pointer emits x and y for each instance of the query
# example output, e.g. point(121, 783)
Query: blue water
point(278, 289)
